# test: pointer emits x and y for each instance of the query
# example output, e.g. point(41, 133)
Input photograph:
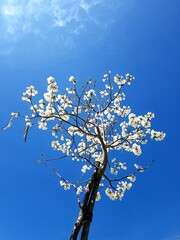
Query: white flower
point(70, 90)
point(150, 115)
point(144, 141)
point(158, 136)
point(131, 116)
point(30, 92)
point(98, 196)
point(55, 145)
point(119, 195)
point(27, 118)
point(34, 108)
point(41, 103)
point(79, 190)
point(117, 79)
point(49, 96)
point(104, 93)
point(113, 171)
point(110, 194)
point(132, 120)
point(27, 99)
point(108, 86)
point(15, 114)
point(66, 185)
point(85, 168)
point(145, 123)
point(81, 147)
point(138, 167)
point(74, 130)
point(106, 75)
point(65, 117)
point(90, 93)
point(50, 80)
point(42, 125)
point(123, 165)
point(124, 126)
point(73, 80)
point(136, 149)
point(71, 130)
point(110, 117)
point(52, 87)
point(129, 185)
point(50, 110)
point(132, 178)
point(62, 138)
point(100, 158)
point(28, 124)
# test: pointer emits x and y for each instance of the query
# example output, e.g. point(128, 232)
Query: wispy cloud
point(176, 237)
point(41, 18)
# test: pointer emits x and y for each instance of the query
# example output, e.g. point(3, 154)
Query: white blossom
point(66, 185)
point(98, 196)
point(30, 92)
point(55, 145)
point(41, 103)
point(42, 125)
point(89, 94)
point(132, 178)
point(104, 93)
point(79, 190)
point(99, 158)
point(49, 97)
point(158, 136)
point(64, 117)
point(123, 165)
point(87, 122)
point(113, 171)
point(34, 108)
point(52, 87)
point(29, 124)
point(70, 90)
point(15, 114)
point(50, 80)
point(110, 194)
point(85, 168)
point(136, 149)
point(150, 115)
point(138, 167)
point(73, 80)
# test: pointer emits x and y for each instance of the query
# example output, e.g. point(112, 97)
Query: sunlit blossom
point(88, 121)
point(136, 149)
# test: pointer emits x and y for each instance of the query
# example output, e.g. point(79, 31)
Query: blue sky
point(86, 38)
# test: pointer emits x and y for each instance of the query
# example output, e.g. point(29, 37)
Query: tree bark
point(83, 213)
point(86, 212)
point(90, 208)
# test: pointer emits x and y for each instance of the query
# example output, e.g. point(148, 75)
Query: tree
point(87, 126)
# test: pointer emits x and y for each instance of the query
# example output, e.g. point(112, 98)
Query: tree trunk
point(91, 203)
point(83, 216)
point(86, 212)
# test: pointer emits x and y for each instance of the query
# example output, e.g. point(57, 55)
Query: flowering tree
point(87, 126)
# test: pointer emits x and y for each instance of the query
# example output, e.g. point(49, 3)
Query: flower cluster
point(88, 122)
point(85, 168)
point(65, 184)
point(29, 93)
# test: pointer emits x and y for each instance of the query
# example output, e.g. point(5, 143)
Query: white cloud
point(41, 18)
point(86, 5)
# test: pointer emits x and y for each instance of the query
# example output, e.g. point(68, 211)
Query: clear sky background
point(86, 38)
